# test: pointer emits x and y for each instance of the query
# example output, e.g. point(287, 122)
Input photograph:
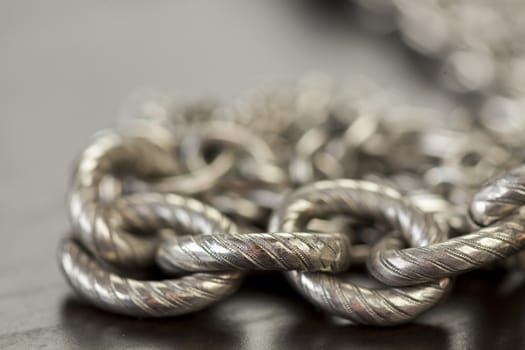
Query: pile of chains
point(175, 205)
point(305, 179)
point(477, 45)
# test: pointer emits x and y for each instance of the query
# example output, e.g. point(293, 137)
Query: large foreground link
point(128, 296)
point(364, 200)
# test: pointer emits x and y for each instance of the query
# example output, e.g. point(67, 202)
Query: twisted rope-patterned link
point(94, 224)
point(404, 267)
point(365, 200)
point(377, 307)
point(153, 211)
point(146, 211)
point(256, 251)
point(499, 198)
point(214, 249)
point(503, 238)
point(107, 290)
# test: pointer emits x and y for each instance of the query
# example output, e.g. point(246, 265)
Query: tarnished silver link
point(216, 251)
point(376, 307)
point(92, 220)
point(392, 265)
point(155, 211)
point(502, 236)
point(504, 196)
point(365, 200)
point(154, 298)
point(279, 251)
point(501, 197)
point(110, 291)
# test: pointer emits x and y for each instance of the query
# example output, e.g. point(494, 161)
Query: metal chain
point(305, 179)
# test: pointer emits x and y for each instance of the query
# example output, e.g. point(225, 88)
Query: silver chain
point(307, 179)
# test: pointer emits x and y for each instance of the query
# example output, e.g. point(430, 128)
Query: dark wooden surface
point(66, 67)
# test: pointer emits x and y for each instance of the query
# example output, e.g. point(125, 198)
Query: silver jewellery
point(207, 209)
point(363, 199)
point(311, 180)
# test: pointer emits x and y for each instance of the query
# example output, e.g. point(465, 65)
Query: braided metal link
point(93, 223)
point(404, 267)
point(499, 198)
point(376, 307)
point(503, 236)
point(145, 214)
point(109, 291)
point(145, 155)
point(99, 285)
point(301, 251)
point(215, 247)
point(383, 306)
point(154, 211)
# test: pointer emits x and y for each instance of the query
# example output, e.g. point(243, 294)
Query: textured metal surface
point(151, 212)
point(499, 198)
point(256, 251)
point(91, 219)
point(404, 267)
point(368, 306)
point(148, 212)
point(143, 154)
point(383, 306)
point(138, 298)
point(497, 204)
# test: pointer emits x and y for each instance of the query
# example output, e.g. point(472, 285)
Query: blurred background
point(67, 67)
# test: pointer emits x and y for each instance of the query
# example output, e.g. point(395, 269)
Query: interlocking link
point(364, 200)
point(93, 223)
point(502, 236)
point(500, 198)
point(171, 297)
point(276, 251)
point(98, 284)
point(392, 265)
